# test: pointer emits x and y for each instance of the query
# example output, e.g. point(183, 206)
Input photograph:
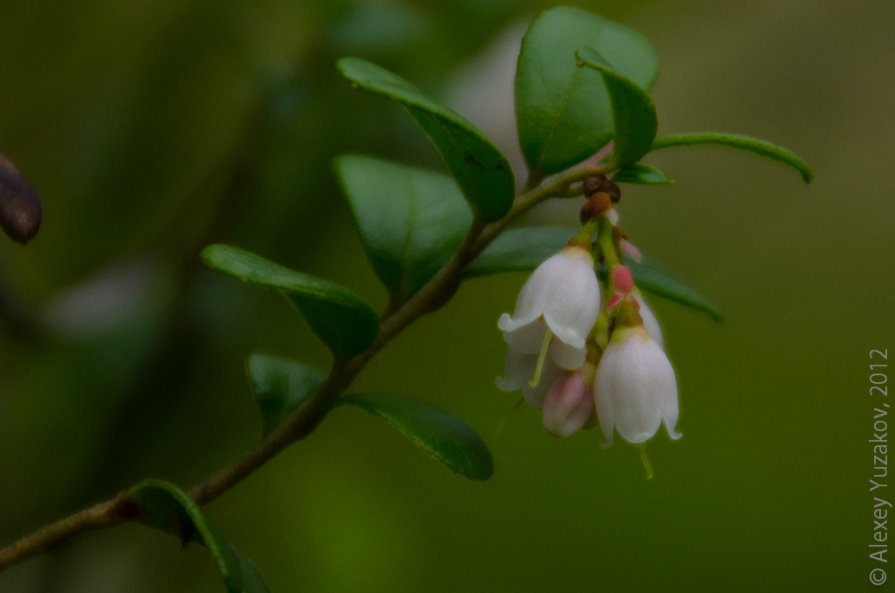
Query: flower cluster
point(584, 353)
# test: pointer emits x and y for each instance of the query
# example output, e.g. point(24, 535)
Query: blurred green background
point(153, 127)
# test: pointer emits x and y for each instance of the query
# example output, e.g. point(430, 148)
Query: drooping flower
point(562, 296)
point(635, 389)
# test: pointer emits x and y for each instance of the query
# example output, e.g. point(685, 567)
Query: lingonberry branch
point(435, 294)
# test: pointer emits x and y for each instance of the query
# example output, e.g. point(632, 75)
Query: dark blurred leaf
point(633, 113)
point(447, 438)
point(483, 173)
point(280, 386)
point(342, 320)
point(166, 507)
point(410, 221)
point(753, 145)
point(519, 249)
point(563, 112)
point(642, 174)
point(20, 207)
point(654, 277)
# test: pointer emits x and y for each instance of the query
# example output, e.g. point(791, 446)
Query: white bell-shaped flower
point(562, 296)
point(635, 387)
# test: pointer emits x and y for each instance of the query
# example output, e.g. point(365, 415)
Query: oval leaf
point(634, 117)
point(642, 174)
point(563, 112)
point(525, 248)
point(657, 279)
point(342, 320)
point(410, 221)
point(280, 386)
point(164, 506)
point(482, 172)
point(747, 143)
point(447, 438)
point(519, 249)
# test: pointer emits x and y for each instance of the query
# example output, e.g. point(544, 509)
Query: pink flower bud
point(622, 279)
point(630, 250)
point(569, 405)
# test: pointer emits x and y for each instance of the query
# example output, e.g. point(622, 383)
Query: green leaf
point(519, 249)
point(634, 117)
point(753, 145)
point(280, 386)
point(641, 174)
point(164, 506)
point(525, 248)
point(342, 320)
point(410, 221)
point(447, 438)
point(654, 277)
point(482, 172)
point(563, 112)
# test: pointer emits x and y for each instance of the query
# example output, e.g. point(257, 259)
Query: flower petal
point(575, 299)
point(527, 339)
point(567, 357)
point(519, 370)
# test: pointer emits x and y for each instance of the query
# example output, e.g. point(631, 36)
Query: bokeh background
point(154, 127)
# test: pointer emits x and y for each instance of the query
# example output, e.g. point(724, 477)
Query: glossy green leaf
point(280, 386)
point(164, 506)
point(482, 172)
point(410, 221)
point(525, 248)
point(447, 438)
point(519, 249)
point(563, 112)
point(642, 174)
point(342, 320)
point(753, 145)
point(654, 277)
point(634, 117)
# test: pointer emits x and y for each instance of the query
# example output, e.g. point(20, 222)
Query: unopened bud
point(630, 250)
point(622, 279)
point(569, 405)
point(20, 210)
